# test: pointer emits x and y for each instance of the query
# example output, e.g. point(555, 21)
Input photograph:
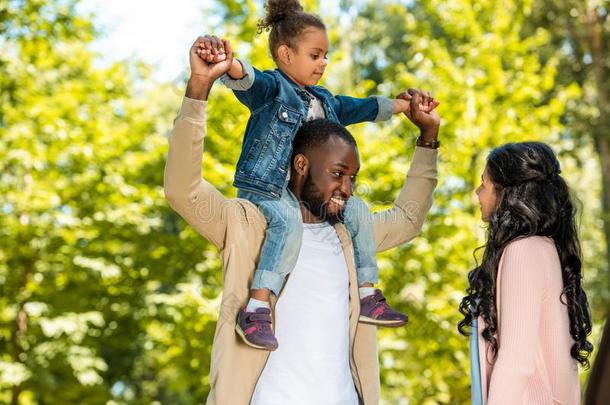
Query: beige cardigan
point(533, 365)
point(237, 228)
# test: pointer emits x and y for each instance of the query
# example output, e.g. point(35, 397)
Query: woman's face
point(487, 196)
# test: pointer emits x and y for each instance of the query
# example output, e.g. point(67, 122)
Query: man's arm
point(196, 200)
point(404, 220)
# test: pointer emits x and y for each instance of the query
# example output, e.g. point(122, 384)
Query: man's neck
point(308, 217)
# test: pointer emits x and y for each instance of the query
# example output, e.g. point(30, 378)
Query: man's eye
point(337, 174)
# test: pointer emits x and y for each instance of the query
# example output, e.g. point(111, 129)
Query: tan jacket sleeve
point(404, 220)
point(196, 200)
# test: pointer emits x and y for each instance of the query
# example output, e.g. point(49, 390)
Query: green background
point(108, 297)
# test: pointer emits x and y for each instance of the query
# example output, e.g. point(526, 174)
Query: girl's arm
point(236, 72)
point(252, 87)
point(352, 110)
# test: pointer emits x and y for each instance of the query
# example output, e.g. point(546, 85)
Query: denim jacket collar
point(304, 92)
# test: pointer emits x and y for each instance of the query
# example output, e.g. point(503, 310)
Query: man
point(338, 363)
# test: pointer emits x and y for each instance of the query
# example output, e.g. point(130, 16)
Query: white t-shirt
point(316, 109)
point(311, 364)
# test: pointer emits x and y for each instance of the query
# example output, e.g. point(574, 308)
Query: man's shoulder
point(243, 211)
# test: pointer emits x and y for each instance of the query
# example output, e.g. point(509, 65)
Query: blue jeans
point(475, 366)
point(284, 235)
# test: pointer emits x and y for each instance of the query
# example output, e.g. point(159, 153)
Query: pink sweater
point(533, 365)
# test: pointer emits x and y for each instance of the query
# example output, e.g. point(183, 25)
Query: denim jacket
point(278, 107)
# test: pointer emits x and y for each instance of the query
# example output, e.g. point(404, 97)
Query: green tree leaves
point(107, 296)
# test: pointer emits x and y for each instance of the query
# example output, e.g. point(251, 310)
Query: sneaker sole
point(243, 337)
point(378, 322)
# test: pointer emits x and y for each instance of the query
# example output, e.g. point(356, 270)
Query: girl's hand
point(210, 67)
point(427, 121)
point(212, 49)
point(402, 102)
point(400, 105)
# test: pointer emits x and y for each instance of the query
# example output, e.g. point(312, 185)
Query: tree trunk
point(601, 134)
point(603, 150)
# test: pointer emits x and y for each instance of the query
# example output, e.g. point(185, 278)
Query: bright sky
point(158, 32)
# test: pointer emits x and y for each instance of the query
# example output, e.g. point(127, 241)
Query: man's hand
point(426, 119)
point(402, 103)
point(205, 72)
point(212, 49)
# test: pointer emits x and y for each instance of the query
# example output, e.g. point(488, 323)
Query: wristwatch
point(433, 144)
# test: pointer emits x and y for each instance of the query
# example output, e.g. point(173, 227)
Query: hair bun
point(276, 18)
point(278, 11)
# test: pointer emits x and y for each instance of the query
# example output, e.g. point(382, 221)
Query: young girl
point(528, 313)
point(280, 101)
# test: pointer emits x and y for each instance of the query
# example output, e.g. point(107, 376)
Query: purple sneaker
point(375, 310)
point(255, 328)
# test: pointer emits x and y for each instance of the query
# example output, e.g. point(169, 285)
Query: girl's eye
point(315, 56)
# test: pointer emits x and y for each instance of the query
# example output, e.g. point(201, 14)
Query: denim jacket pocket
point(287, 115)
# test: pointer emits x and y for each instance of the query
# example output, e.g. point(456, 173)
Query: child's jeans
point(284, 234)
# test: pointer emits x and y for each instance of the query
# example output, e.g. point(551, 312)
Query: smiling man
point(326, 355)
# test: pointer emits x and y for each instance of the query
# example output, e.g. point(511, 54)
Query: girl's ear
point(283, 54)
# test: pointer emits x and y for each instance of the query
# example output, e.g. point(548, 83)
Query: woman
point(525, 306)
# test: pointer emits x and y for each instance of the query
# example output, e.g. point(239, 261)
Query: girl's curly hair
point(286, 20)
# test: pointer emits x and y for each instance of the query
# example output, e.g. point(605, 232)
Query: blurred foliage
point(107, 297)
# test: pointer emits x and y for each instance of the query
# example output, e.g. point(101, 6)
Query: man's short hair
point(316, 133)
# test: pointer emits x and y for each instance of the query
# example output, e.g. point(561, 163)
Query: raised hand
point(203, 72)
point(207, 60)
point(402, 103)
point(212, 49)
point(426, 118)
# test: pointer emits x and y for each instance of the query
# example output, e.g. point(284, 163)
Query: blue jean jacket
point(278, 107)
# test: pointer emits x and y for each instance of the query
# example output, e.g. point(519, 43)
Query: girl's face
point(487, 196)
point(305, 64)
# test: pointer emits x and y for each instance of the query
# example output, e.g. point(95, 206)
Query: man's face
point(330, 180)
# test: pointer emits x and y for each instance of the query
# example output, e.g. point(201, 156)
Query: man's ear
point(283, 53)
point(301, 164)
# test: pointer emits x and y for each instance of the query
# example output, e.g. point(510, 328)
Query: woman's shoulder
point(530, 243)
point(532, 251)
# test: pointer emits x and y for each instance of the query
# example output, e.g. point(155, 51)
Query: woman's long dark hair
point(533, 199)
